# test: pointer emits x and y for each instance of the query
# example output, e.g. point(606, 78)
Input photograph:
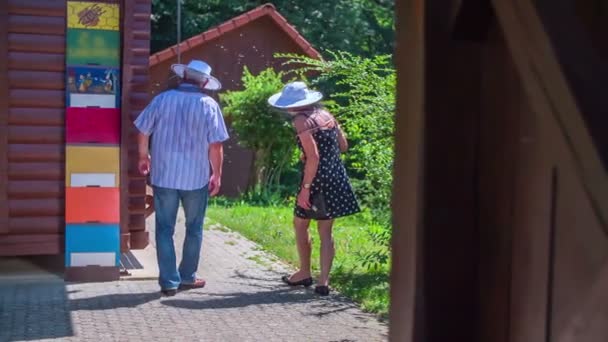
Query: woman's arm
point(311, 154)
point(311, 163)
point(342, 139)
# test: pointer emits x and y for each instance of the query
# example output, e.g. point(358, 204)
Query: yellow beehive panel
point(91, 159)
point(93, 15)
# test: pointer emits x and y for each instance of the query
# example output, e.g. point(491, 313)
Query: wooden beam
point(4, 97)
point(406, 277)
point(582, 65)
point(550, 94)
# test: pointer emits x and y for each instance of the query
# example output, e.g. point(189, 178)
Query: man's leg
point(166, 202)
point(195, 206)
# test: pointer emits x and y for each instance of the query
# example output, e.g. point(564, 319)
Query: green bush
point(260, 128)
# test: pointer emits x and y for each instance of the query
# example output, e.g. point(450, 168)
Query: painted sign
point(93, 15)
point(92, 80)
point(93, 47)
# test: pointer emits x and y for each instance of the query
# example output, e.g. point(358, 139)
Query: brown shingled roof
point(232, 24)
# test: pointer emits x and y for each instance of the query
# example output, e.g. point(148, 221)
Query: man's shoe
point(169, 292)
point(198, 284)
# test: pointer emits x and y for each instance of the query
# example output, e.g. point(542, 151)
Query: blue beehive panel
point(92, 238)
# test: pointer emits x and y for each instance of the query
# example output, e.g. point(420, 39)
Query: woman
point(325, 192)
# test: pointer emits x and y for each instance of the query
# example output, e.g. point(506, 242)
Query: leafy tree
point(364, 27)
point(260, 128)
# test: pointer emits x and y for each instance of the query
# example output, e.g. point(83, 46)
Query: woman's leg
point(327, 250)
point(304, 248)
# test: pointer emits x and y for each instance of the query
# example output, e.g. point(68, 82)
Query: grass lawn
point(272, 228)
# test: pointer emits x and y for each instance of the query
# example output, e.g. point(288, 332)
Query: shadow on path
point(34, 311)
point(265, 291)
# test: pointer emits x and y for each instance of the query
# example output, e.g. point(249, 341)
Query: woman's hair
point(307, 110)
point(310, 123)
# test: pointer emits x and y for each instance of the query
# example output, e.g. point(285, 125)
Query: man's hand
point(304, 199)
point(144, 165)
point(215, 182)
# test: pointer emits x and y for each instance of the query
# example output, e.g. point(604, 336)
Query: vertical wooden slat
point(3, 117)
point(406, 277)
point(128, 6)
point(551, 258)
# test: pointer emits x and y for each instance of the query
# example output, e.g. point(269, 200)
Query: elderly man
point(188, 130)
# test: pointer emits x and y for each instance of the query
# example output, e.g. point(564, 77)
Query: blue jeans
point(166, 203)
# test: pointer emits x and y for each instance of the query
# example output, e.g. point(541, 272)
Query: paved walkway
point(243, 301)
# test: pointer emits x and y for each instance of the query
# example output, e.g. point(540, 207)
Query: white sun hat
point(197, 70)
point(294, 95)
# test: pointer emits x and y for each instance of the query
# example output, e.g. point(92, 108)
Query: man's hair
point(191, 81)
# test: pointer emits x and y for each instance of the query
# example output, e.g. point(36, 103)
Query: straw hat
point(294, 95)
point(197, 71)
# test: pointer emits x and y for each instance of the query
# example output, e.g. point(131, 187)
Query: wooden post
point(406, 276)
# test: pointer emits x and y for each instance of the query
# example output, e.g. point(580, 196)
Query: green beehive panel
point(93, 47)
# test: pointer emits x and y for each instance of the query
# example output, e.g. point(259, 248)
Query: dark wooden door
point(543, 251)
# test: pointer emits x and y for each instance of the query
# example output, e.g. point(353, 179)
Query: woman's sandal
point(306, 282)
point(322, 290)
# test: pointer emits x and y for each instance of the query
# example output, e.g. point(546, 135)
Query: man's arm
point(145, 124)
point(143, 163)
point(216, 135)
point(216, 158)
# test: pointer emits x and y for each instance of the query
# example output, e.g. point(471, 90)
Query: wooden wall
point(32, 107)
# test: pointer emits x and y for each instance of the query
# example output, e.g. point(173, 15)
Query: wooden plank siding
point(4, 113)
point(32, 126)
point(33, 167)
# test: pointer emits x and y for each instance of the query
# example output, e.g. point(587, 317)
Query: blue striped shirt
point(183, 123)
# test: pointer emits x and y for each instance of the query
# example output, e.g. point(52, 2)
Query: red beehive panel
point(86, 205)
point(92, 125)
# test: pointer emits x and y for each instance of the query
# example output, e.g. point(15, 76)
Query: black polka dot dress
point(331, 179)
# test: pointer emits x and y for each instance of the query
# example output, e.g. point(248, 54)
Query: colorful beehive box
point(92, 164)
point(92, 125)
point(91, 160)
point(92, 244)
point(92, 205)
